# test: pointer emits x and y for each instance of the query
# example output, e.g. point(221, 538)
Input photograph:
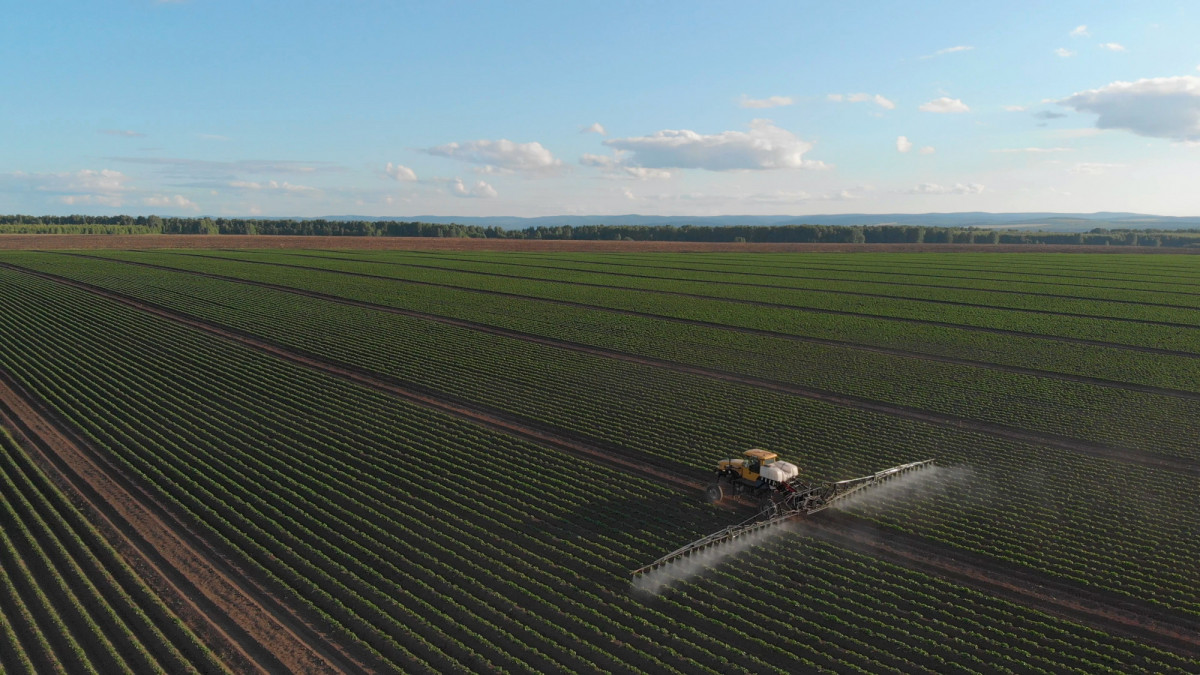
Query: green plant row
point(1162, 425)
point(1024, 351)
point(750, 284)
point(1133, 271)
point(1062, 513)
point(436, 543)
point(70, 601)
point(800, 304)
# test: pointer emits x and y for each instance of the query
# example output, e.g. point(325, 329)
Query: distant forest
point(870, 234)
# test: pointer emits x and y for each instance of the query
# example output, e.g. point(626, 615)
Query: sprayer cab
point(757, 470)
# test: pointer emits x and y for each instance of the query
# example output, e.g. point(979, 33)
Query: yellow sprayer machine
point(781, 496)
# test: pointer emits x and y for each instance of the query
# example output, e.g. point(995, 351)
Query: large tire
point(714, 493)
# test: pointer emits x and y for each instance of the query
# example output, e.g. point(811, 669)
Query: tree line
point(839, 234)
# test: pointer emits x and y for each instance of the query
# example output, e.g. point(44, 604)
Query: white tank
point(780, 472)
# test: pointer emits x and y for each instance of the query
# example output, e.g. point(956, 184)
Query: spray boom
point(786, 500)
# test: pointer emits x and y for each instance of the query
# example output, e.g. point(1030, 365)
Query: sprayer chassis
point(796, 498)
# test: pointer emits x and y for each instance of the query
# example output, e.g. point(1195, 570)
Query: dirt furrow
point(900, 284)
point(1101, 610)
point(925, 270)
point(778, 305)
point(532, 337)
point(570, 303)
point(907, 412)
point(216, 603)
point(940, 560)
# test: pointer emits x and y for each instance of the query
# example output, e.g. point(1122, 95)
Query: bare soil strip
point(742, 284)
point(924, 322)
point(1115, 615)
point(235, 617)
point(925, 270)
point(532, 337)
point(902, 284)
point(108, 241)
point(1108, 612)
point(939, 419)
point(54, 453)
point(928, 272)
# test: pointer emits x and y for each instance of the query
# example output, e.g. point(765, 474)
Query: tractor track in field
point(924, 272)
point(939, 419)
point(1017, 370)
point(234, 619)
point(1115, 615)
point(1099, 609)
point(571, 303)
point(628, 275)
point(774, 305)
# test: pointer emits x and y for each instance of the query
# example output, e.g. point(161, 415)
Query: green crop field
point(452, 460)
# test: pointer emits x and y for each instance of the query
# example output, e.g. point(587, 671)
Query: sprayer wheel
point(714, 493)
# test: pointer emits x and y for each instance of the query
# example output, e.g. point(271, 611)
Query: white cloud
point(956, 189)
point(769, 102)
point(272, 186)
point(1112, 46)
point(927, 150)
point(206, 169)
point(99, 200)
point(945, 105)
point(903, 144)
point(502, 154)
point(1162, 107)
point(1080, 31)
point(213, 137)
point(1064, 52)
point(882, 102)
point(1015, 108)
point(169, 201)
point(594, 128)
point(124, 133)
point(877, 99)
point(480, 189)
point(765, 146)
point(400, 172)
point(1033, 150)
point(643, 173)
point(104, 187)
point(1093, 168)
point(948, 50)
point(613, 165)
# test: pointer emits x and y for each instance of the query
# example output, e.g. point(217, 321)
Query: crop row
point(68, 601)
point(1038, 273)
point(1055, 511)
point(439, 544)
point(1026, 351)
point(1163, 424)
point(1137, 271)
point(798, 275)
point(749, 285)
point(633, 294)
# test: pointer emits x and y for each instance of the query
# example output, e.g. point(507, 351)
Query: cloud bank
point(945, 104)
point(764, 146)
point(501, 156)
point(1161, 107)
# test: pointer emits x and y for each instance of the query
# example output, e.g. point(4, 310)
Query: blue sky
point(243, 108)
